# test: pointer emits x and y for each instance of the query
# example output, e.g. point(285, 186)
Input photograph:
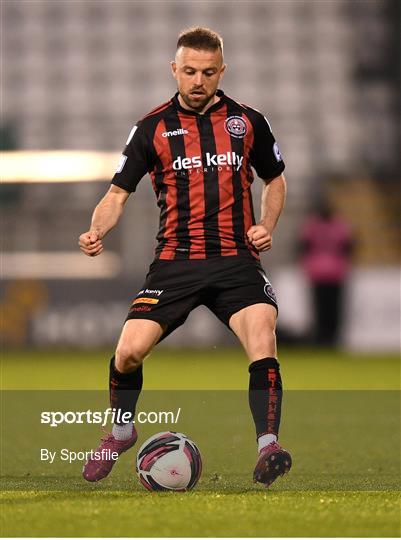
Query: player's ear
point(222, 71)
point(173, 68)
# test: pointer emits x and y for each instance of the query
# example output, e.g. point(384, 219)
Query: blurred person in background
point(198, 148)
point(326, 245)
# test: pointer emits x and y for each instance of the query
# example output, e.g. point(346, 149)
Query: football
point(168, 461)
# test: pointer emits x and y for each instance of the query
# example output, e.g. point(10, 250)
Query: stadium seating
point(78, 74)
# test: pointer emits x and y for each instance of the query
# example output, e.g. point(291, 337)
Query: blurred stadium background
point(76, 75)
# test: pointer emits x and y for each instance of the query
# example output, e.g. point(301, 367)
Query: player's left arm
point(266, 159)
point(273, 199)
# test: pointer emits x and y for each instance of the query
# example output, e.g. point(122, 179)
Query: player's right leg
point(170, 292)
point(137, 339)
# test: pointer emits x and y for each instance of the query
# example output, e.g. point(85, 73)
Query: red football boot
point(273, 461)
point(99, 467)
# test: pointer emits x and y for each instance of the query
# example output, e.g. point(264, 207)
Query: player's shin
point(125, 389)
point(265, 397)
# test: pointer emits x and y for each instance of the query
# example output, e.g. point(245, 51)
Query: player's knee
point(272, 332)
point(271, 328)
point(266, 334)
point(128, 358)
point(271, 335)
point(263, 344)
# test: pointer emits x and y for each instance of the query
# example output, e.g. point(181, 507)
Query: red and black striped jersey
point(201, 171)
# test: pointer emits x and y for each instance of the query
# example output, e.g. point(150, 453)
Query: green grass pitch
point(341, 421)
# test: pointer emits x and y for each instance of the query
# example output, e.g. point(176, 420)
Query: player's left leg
point(255, 326)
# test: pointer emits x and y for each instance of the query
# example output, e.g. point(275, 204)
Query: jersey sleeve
point(135, 161)
point(265, 155)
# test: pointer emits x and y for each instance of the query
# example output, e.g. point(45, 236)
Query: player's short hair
point(201, 39)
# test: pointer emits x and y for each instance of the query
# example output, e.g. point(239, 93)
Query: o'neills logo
point(211, 160)
point(179, 131)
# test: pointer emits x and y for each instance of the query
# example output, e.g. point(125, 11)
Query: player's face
point(198, 74)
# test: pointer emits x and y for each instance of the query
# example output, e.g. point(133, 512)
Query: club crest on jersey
point(236, 126)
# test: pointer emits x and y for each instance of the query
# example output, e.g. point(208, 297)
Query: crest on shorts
point(236, 126)
point(276, 152)
point(269, 292)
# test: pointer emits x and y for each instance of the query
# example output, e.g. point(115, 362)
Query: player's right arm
point(135, 161)
point(104, 218)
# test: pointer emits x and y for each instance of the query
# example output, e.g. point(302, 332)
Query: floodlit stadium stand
point(76, 75)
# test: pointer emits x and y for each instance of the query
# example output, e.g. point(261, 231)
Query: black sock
point(265, 395)
point(124, 389)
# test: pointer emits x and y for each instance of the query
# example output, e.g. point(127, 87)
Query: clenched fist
point(90, 243)
point(260, 237)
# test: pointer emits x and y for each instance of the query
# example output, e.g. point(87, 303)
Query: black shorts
point(225, 285)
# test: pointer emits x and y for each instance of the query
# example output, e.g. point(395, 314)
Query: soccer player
point(198, 149)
